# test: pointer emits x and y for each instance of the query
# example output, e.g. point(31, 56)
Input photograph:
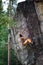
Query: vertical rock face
point(28, 24)
point(39, 10)
point(21, 27)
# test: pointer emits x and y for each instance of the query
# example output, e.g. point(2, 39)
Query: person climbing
point(25, 41)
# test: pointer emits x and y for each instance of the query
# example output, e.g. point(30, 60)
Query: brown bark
point(9, 33)
point(8, 50)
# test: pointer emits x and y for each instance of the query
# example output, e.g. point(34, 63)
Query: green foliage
point(3, 29)
point(4, 21)
point(0, 6)
point(11, 7)
point(4, 57)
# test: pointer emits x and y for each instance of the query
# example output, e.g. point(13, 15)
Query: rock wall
point(39, 10)
point(28, 24)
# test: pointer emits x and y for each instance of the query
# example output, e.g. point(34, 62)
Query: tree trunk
point(9, 32)
point(8, 50)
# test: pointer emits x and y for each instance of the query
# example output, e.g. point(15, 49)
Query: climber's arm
point(27, 41)
point(24, 40)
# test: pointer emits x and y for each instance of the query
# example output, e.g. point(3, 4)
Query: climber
point(24, 40)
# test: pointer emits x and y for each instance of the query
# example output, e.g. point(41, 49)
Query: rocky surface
point(39, 10)
point(35, 0)
point(28, 21)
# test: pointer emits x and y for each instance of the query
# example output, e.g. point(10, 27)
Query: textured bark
point(28, 24)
